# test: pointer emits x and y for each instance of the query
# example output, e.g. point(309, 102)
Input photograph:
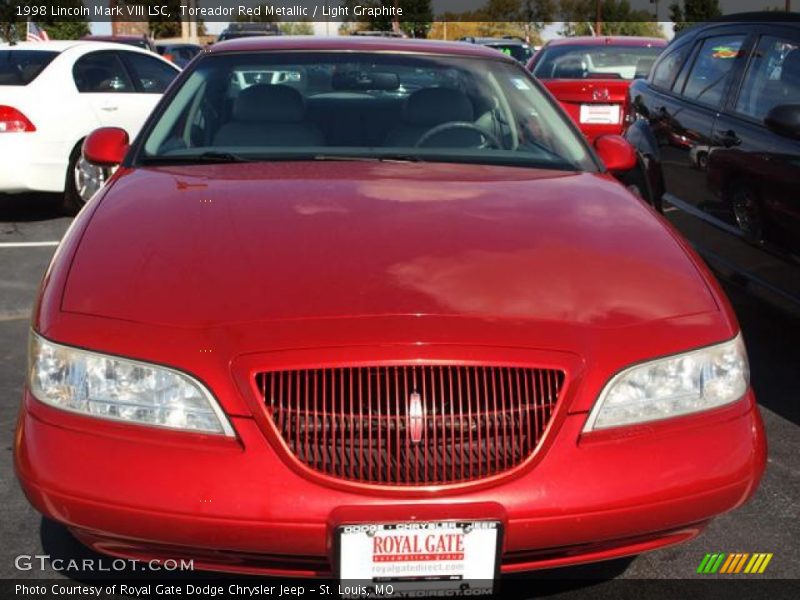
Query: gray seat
point(269, 115)
point(427, 108)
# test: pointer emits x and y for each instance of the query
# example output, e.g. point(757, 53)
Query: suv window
point(667, 68)
point(101, 72)
point(152, 74)
point(714, 63)
point(773, 77)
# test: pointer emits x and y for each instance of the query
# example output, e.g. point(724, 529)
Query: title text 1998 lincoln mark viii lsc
point(350, 305)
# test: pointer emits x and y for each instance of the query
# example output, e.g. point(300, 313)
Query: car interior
point(356, 109)
point(347, 106)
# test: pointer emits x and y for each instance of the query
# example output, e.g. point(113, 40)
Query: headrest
point(570, 68)
point(265, 102)
point(433, 106)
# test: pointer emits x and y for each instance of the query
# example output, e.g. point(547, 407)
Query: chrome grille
point(360, 423)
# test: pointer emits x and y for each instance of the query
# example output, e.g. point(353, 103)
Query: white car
point(53, 94)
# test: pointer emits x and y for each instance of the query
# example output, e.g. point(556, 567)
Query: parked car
point(140, 41)
point(239, 30)
point(180, 54)
point(590, 76)
point(718, 117)
point(373, 33)
point(307, 332)
point(516, 48)
point(52, 94)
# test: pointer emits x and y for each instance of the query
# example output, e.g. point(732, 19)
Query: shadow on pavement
point(23, 208)
point(773, 347)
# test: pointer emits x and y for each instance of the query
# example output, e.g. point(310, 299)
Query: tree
point(519, 18)
point(13, 28)
point(618, 18)
point(263, 17)
point(692, 12)
point(417, 17)
point(297, 28)
point(416, 21)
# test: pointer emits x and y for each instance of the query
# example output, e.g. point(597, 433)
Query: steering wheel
point(489, 140)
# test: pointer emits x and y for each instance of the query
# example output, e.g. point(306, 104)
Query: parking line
point(27, 244)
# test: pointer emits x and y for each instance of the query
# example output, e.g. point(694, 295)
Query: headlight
point(120, 389)
point(677, 385)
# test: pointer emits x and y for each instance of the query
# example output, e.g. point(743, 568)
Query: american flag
point(36, 33)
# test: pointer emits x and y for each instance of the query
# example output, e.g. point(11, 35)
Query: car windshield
point(369, 106)
point(593, 61)
point(20, 67)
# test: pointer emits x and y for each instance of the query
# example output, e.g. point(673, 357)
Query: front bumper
point(236, 505)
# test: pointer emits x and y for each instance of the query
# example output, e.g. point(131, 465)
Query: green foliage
point(618, 18)
point(297, 28)
point(519, 18)
point(165, 27)
point(13, 28)
point(262, 18)
point(415, 22)
point(692, 12)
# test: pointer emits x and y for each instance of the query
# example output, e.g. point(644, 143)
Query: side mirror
point(616, 152)
point(106, 147)
point(784, 120)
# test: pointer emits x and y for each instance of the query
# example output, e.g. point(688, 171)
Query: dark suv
point(719, 123)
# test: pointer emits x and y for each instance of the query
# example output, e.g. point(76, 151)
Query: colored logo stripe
point(721, 562)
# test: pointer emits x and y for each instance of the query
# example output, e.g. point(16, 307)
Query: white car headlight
point(676, 385)
point(120, 389)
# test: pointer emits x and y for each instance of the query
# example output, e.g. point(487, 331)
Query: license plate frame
point(482, 529)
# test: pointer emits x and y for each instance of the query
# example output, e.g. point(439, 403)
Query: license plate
point(419, 551)
point(600, 114)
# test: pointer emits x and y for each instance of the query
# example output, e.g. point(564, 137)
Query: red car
point(354, 304)
point(590, 76)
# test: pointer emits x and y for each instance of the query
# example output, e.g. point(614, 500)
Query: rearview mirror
point(784, 120)
point(106, 147)
point(616, 153)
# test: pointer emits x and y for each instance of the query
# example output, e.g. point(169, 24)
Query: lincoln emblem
point(415, 417)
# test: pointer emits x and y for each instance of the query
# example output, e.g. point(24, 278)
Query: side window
point(152, 74)
point(714, 63)
point(101, 73)
point(772, 79)
point(667, 68)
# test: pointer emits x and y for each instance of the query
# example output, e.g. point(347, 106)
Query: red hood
point(202, 246)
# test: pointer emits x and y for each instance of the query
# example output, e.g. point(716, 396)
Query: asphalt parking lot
point(30, 227)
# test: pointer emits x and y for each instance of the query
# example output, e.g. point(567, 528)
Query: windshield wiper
point(363, 158)
point(204, 157)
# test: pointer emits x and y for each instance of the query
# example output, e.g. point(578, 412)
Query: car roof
point(50, 46)
point(608, 40)
point(106, 38)
point(494, 40)
point(362, 44)
point(61, 46)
